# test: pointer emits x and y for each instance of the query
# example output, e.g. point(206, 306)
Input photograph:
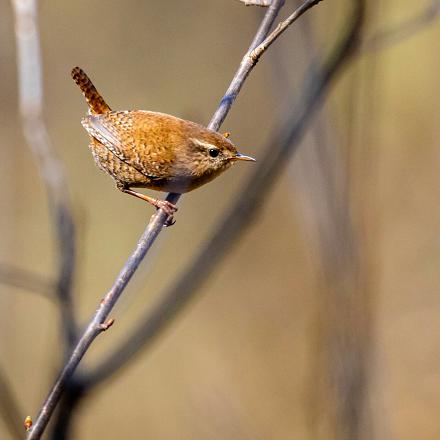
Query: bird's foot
point(164, 205)
point(169, 209)
point(169, 221)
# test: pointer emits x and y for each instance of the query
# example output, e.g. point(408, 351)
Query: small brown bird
point(153, 150)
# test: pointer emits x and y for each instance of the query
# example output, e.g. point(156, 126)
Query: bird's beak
point(240, 156)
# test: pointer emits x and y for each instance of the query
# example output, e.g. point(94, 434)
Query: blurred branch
point(26, 280)
point(339, 371)
point(240, 216)
point(50, 169)
point(98, 322)
point(397, 34)
point(9, 409)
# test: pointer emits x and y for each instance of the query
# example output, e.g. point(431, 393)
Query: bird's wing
point(117, 132)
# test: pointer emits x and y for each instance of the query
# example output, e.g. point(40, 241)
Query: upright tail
point(96, 103)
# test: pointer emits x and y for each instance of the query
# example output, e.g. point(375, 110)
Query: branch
point(258, 51)
point(99, 320)
point(262, 3)
point(277, 153)
point(49, 167)
point(245, 67)
point(258, 47)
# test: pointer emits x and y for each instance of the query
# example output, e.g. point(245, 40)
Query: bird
point(153, 150)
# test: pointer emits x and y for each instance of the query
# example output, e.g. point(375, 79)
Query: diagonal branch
point(262, 3)
point(49, 167)
point(264, 45)
point(242, 213)
point(99, 321)
point(245, 67)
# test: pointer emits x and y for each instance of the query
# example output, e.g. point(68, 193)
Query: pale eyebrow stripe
point(203, 144)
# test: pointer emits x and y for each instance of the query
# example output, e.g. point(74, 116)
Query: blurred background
point(322, 320)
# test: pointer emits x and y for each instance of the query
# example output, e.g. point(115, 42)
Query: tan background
point(241, 362)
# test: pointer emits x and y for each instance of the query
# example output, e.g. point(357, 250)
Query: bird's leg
point(165, 205)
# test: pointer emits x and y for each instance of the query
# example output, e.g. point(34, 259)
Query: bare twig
point(282, 145)
point(50, 169)
point(251, 58)
point(97, 324)
point(256, 53)
point(262, 3)
point(26, 280)
point(245, 67)
point(94, 328)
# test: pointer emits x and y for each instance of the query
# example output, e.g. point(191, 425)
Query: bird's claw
point(169, 209)
point(169, 221)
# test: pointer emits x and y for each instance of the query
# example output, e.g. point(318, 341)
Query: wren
point(146, 149)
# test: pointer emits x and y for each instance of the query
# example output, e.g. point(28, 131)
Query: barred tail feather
point(96, 103)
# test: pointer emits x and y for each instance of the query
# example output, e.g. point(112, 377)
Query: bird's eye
point(213, 152)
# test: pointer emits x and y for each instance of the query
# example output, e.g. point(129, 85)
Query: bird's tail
point(96, 103)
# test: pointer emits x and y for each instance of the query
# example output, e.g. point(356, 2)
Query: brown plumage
point(153, 150)
point(96, 103)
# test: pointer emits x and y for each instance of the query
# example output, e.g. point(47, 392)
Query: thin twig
point(94, 328)
point(282, 145)
point(97, 324)
point(50, 168)
point(262, 3)
point(245, 67)
point(255, 54)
